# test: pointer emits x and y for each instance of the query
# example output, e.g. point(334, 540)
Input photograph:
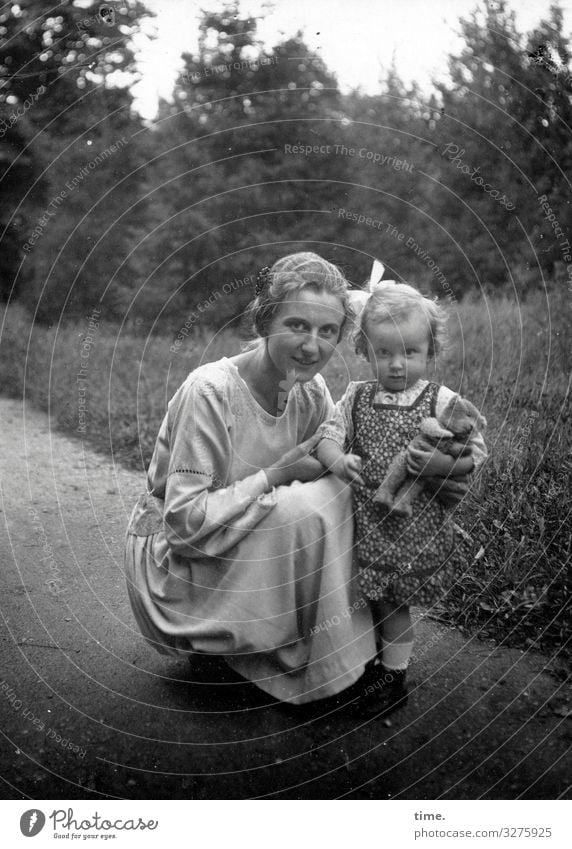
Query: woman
point(239, 548)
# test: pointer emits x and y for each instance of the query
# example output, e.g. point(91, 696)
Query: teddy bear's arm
point(394, 479)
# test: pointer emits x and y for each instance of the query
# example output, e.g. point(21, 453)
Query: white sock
point(396, 655)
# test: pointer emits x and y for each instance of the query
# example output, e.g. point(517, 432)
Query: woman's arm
point(205, 514)
point(295, 465)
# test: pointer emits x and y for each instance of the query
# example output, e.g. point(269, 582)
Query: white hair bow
point(360, 297)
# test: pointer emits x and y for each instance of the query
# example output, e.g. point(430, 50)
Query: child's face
point(398, 351)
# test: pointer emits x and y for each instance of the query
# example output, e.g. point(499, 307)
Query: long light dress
point(214, 563)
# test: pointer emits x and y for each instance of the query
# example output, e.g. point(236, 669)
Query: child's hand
point(348, 468)
point(429, 462)
point(449, 491)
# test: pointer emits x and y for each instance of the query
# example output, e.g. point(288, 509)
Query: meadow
point(109, 385)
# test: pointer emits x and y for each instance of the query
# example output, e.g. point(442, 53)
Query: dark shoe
point(383, 691)
point(342, 704)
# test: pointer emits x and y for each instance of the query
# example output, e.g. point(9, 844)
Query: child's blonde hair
point(393, 301)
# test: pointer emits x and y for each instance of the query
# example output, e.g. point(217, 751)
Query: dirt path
point(89, 710)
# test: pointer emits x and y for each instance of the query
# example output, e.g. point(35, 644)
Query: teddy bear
point(450, 432)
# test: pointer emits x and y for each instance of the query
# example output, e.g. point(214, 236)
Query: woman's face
point(304, 333)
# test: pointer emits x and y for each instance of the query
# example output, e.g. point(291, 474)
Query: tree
point(548, 117)
point(500, 142)
point(388, 135)
point(62, 67)
point(226, 169)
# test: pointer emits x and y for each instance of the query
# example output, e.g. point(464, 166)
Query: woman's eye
point(329, 331)
point(297, 326)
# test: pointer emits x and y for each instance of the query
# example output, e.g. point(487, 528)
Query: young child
point(401, 560)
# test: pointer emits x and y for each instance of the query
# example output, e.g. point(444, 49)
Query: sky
point(356, 38)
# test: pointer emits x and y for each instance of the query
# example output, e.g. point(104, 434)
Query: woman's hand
point(296, 465)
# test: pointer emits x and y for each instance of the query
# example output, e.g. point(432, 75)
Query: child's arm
point(450, 487)
point(336, 433)
point(344, 466)
point(478, 449)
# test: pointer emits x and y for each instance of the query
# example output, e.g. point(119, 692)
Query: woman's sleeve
point(477, 443)
point(204, 514)
point(340, 426)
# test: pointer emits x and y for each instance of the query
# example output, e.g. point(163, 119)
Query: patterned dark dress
point(402, 560)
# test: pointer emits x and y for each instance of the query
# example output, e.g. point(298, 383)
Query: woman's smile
point(305, 362)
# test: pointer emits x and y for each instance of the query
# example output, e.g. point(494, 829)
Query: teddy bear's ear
point(471, 410)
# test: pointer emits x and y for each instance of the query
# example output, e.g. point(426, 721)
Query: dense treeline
point(259, 153)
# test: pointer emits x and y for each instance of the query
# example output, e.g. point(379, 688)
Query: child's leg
point(385, 690)
point(394, 634)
